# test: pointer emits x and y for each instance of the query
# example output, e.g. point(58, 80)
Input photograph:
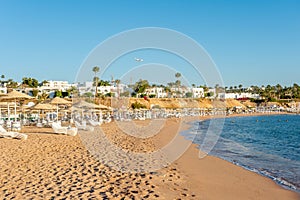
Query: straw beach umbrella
point(43, 106)
point(86, 105)
point(3, 106)
point(59, 101)
point(90, 107)
point(14, 96)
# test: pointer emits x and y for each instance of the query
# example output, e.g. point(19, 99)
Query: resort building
point(88, 87)
point(179, 92)
point(243, 95)
point(55, 85)
point(157, 92)
point(197, 92)
point(3, 90)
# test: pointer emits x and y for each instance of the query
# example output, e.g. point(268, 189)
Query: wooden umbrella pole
point(15, 110)
point(57, 113)
point(8, 112)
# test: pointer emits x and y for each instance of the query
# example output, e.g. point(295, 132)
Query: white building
point(158, 92)
point(241, 95)
point(3, 90)
point(85, 87)
point(50, 87)
point(179, 92)
point(56, 85)
point(88, 87)
point(197, 92)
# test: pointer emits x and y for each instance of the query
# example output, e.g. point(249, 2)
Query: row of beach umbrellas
point(13, 97)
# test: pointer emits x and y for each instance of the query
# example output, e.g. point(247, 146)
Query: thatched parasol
point(59, 101)
point(14, 96)
point(44, 106)
point(3, 106)
point(86, 105)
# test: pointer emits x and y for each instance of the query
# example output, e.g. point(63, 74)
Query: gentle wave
point(267, 145)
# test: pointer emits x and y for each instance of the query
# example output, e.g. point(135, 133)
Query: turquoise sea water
point(268, 145)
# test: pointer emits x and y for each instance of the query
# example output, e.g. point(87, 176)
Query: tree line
point(268, 92)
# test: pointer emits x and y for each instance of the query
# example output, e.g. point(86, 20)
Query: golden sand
point(50, 166)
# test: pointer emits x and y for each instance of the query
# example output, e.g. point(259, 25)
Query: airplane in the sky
point(138, 59)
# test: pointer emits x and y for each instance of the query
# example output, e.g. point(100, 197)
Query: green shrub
point(35, 92)
point(137, 105)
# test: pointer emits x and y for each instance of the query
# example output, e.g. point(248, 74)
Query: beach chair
point(39, 125)
point(94, 123)
point(8, 124)
point(83, 126)
point(57, 128)
point(16, 126)
point(107, 120)
point(15, 135)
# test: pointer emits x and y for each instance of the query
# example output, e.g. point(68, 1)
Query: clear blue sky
point(251, 42)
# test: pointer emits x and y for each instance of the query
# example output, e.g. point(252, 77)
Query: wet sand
point(50, 166)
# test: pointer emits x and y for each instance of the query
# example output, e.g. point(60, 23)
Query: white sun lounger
point(57, 128)
point(94, 123)
point(83, 126)
point(16, 135)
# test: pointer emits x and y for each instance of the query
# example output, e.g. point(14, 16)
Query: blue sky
point(251, 42)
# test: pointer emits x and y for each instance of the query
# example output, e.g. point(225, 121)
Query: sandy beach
point(49, 166)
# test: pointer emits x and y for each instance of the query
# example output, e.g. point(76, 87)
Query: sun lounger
point(57, 128)
point(83, 126)
point(16, 135)
point(39, 125)
point(16, 126)
point(94, 123)
point(107, 120)
point(8, 124)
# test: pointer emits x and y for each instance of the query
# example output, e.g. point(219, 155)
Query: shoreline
point(50, 166)
point(273, 185)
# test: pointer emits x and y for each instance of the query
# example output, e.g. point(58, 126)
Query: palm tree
point(96, 69)
point(140, 86)
point(73, 91)
point(2, 77)
point(42, 97)
point(118, 81)
point(167, 90)
point(11, 83)
point(240, 87)
point(177, 75)
point(278, 90)
point(217, 88)
point(178, 82)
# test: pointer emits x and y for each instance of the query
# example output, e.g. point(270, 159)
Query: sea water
point(268, 145)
